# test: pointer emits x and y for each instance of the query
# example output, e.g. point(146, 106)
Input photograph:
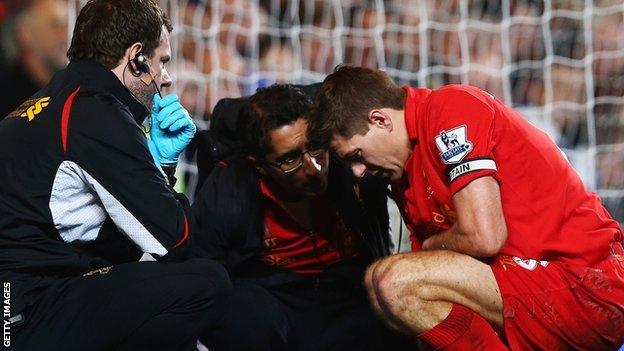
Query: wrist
point(169, 169)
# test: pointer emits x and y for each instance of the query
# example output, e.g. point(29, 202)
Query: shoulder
point(232, 180)
point(97, 113)
point(457, 94)
point(454, 105)
point(235, 170)
point(230, 197)
point(100, 122)
point(100, 108)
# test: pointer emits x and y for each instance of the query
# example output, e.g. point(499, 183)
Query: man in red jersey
point(511, 250)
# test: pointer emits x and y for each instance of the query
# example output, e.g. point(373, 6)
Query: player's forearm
point(480, 229)
point(473, 244)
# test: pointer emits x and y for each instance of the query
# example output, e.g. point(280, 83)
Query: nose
point(358, 169)
point(165, 80)
point(311, 165)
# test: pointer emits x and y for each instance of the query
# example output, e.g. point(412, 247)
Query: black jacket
point(21, 87)
point(78, 187)
point(229, 211)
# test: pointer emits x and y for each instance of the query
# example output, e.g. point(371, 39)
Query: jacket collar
point(100, 78)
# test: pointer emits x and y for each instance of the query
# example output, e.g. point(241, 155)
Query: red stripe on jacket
point(185, 234)
point(65, 117)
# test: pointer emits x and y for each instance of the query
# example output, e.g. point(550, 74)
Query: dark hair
point(268, 109)
point(344, 99)
point(105, 29)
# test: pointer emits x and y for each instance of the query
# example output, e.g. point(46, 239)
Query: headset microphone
point(140, 61)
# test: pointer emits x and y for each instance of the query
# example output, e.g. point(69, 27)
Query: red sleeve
point(460, 126)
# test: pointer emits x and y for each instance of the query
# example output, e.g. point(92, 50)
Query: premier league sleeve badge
point(453, 144)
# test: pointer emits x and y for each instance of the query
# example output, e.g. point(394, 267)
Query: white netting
point(559, 62)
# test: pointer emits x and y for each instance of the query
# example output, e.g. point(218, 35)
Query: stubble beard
point(142, 92)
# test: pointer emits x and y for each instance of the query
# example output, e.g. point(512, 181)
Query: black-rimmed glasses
point(292, 164)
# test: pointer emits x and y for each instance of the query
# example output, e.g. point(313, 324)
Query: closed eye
point(355, 156)
point(164, 61)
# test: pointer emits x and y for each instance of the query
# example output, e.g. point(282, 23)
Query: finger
point(168, 100)
point(189, 130)
point(183, 123)
point(180, 114)
point(167, 112)
point(173, 118)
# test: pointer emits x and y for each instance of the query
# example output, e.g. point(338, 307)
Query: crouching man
point(511, 250)
point(82, 198)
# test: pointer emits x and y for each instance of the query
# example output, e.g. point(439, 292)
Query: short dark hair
point(344, 99)
point(105, 29)
point(268, 109)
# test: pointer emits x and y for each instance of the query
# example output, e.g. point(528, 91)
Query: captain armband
point(470, 166)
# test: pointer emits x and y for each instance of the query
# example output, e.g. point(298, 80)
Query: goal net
point(559, 62)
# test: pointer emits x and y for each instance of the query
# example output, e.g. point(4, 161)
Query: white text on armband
point(471, 166)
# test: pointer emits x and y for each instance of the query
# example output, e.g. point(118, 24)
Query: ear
point(380, 119)
point(131, 53)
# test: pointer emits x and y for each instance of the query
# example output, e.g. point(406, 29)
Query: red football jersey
point(289, 246)
point(460, 133)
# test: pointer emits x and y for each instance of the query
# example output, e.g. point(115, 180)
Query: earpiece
point(141, 65)
point(140, 62)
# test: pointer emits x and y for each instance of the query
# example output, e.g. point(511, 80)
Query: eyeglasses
point(292, 164)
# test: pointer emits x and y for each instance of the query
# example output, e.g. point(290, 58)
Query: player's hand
point(172, 129)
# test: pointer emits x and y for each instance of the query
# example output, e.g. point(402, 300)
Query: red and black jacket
point(229, 209)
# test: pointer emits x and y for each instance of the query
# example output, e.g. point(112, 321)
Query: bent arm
point(108, 149)
point(480, 230)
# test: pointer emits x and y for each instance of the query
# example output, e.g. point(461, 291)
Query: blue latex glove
point(171, 131)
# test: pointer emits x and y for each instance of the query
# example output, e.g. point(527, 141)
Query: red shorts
point(558, 306)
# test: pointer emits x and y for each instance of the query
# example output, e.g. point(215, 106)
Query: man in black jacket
point(295, 231)
point(84, 197)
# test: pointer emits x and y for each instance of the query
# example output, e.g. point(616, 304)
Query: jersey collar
point(266, 191)
point(414, 97)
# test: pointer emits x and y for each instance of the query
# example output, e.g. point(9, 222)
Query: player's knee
point(403, 277)
point(368, 278)
point(390, 281)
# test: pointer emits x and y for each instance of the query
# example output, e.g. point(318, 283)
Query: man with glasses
point(295, 231)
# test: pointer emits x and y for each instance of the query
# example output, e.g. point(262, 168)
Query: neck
point(287, 197)
point(404, 144)
point(119, 71)
point(307, 212)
